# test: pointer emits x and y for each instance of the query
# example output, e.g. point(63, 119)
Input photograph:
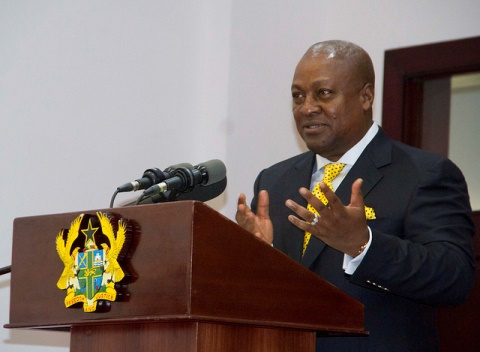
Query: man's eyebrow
point(317, 83)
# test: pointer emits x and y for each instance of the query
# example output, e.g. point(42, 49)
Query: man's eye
point(297, 96)
point(324, 92)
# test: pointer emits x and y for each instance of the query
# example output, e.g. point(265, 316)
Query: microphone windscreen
point(204, 193)
point(215, 169)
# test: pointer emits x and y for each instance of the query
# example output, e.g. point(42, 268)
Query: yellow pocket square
point(369, 213)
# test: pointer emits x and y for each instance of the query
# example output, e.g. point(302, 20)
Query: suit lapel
point(375, 156)
point(300, 176)
point(315, 245)
point(365, 169)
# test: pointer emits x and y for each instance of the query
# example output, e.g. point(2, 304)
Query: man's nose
point(310, 106)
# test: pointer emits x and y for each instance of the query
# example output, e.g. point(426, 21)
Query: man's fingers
point(242, 199)
point(301, 224)
point(311, 199)
point(242, 209)
point(332, 198)
point(302, 212)
point(263, 205)
point(356, 199)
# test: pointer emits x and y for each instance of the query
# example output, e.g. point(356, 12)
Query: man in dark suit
point(395, 233)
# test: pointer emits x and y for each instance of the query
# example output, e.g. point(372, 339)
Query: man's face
point(329, 105)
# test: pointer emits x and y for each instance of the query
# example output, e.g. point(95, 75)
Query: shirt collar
point(352, 155)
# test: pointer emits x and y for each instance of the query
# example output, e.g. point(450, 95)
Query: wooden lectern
point(202, 284)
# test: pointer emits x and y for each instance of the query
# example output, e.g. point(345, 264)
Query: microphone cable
point(113, 198)
point(5, 270)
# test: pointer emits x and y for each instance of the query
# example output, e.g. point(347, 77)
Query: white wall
point(94, 92)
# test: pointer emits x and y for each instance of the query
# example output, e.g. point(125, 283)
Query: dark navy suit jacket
point(421, 254)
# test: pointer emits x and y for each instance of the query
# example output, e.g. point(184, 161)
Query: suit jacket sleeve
point(422, 249)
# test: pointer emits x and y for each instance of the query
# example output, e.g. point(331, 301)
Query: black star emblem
point(89, 234)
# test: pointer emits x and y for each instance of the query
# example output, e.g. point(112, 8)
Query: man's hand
point(341, 227)
point(258, 224)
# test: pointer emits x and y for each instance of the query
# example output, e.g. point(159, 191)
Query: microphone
point(151, 177)
point(185, 179)
point(199, 193)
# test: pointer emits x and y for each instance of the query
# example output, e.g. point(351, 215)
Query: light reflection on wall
point(464, 139)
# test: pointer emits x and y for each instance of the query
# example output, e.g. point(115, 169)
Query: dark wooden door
point(416, 111)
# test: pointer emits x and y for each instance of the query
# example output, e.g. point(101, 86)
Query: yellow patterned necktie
point(330, 172)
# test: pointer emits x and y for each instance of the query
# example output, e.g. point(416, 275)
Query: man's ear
point(367, 94)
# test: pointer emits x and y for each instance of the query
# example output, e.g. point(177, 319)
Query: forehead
point(323, 68)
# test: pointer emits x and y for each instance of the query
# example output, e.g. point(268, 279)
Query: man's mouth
point(315, 126)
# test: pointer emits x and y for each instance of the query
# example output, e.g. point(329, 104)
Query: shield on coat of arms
point(90, 272)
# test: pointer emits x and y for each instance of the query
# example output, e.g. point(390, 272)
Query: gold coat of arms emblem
point(90, 252)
